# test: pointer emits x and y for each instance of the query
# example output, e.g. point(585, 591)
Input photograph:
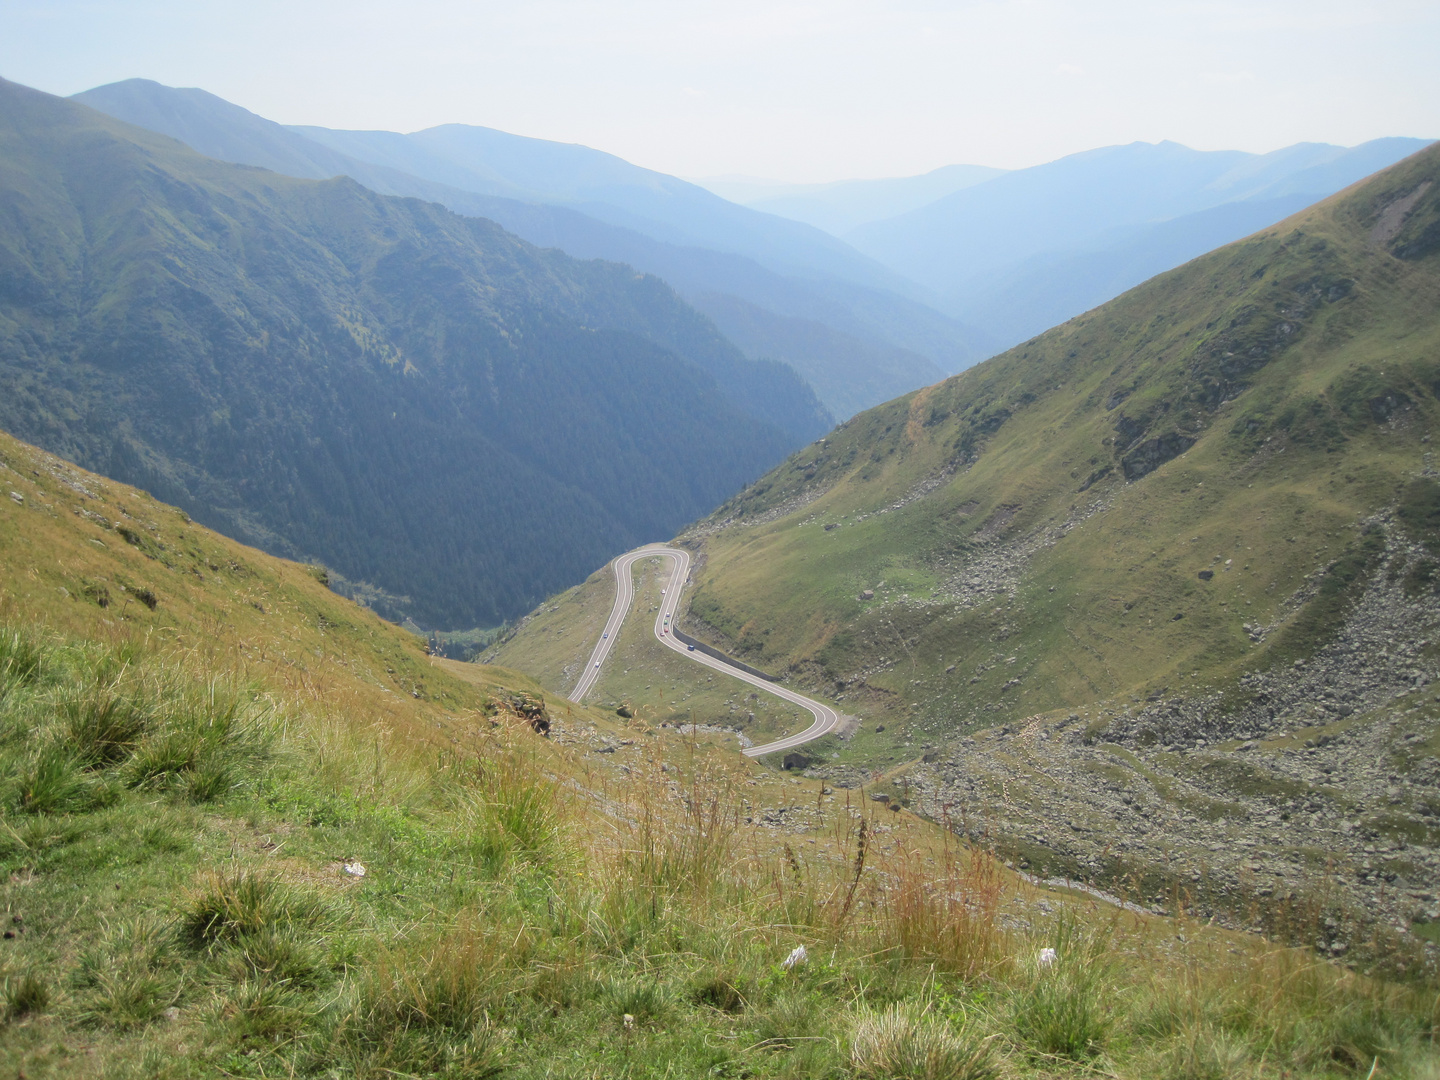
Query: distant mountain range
point(866, 288)
point(1013, 253)
point(790, 291)
point(1031, 248)
point(456, 422)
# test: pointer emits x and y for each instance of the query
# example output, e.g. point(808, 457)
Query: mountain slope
point(424, 401)
point(848, 373)
point(1109, 200)
point(246, 828)
point(1050, 287)
point(609, 189)
point(878, 322)
point(1280, 338)
point(1150, 599)
point(483, 161)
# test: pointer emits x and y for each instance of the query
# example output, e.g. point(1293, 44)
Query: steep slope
point(82, 555)
point(248, 828)
point(1150, 598)
point(874, 323)
point(423, 401)
point(972, 246)
point(218, 129)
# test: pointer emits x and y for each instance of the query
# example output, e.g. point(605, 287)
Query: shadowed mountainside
point(538, 191)
point(425, 402)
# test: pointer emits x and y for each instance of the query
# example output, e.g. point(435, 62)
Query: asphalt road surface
point(826, 718)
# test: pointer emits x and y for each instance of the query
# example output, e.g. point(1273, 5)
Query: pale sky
point(794, 91)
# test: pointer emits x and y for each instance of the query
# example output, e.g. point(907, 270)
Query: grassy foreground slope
point(1175, 558)
point(201, 749)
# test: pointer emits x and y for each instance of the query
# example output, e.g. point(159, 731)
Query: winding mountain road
point(826, 718)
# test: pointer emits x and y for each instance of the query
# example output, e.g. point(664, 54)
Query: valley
point(1144, 602)
point(473, 606)
point(250, 828)
point(364, 380)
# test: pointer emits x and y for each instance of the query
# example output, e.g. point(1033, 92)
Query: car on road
point(688, 648)
point(605, 634)
point(597, 663)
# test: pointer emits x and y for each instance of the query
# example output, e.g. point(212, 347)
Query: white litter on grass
point(796, 958)
point(629, 1021)
point(1047, 958)
point(355, 869)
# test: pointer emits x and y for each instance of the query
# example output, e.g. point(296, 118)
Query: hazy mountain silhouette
point(562, 211)
point(1005, 251)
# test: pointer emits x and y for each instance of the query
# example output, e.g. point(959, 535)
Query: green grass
point(182, 787)
point(506, 928)
point(985, 557)
point(1288, 465)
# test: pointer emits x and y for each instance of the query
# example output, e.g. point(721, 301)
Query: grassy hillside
point(1175, 558)
point(371, 381)
point(201, 748)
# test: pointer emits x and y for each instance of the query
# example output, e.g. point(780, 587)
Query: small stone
point(171, 1014)
point(17, 497)
point(629, 1021)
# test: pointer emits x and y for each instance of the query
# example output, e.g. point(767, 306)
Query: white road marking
point(826, 718)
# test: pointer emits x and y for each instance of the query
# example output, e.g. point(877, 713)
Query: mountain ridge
point(335, 374)
point(973, 246)
point(872, 322)
point(1147, 601)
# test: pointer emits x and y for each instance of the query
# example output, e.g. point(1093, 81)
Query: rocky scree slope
point(426, 403)
point(1150, 598)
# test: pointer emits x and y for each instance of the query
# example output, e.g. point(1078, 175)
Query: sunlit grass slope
point(1031, 534)
point(247, 829)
